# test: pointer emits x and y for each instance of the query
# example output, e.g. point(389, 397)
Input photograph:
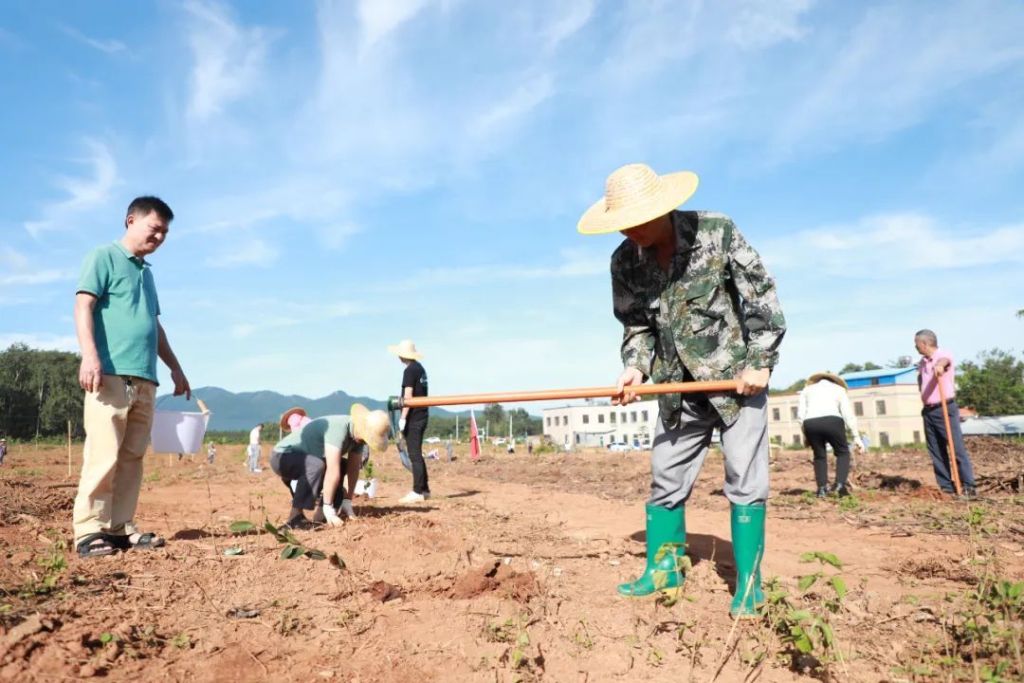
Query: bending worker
point(824, 413)
point(695, 302)
point(312, 455)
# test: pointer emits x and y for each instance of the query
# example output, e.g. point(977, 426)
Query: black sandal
point(299, 523)
point(89, 547)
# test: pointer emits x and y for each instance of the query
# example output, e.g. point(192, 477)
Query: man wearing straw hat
point(120, 335)
point(314, 452)
point(413, 421)
point(695, 303)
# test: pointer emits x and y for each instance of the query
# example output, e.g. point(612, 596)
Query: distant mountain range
point(231, 412)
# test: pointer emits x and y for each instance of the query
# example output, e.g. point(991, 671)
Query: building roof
point(879, 374)
point(648, 403)
point(993, 426)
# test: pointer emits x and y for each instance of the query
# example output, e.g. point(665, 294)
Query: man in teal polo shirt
point(119, 333)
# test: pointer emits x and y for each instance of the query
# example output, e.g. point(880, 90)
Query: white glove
point(859, 443)
point(331, 515)
point(401, 424)
point(346, 509)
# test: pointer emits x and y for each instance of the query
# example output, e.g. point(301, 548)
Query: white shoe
point(411, 497)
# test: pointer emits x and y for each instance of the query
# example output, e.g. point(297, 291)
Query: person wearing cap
point(696, 303)
point(825, 414)
point(413, 421)
point(314, 452)
point(937, 367)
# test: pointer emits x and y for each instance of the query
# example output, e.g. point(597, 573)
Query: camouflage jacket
point(714, 313)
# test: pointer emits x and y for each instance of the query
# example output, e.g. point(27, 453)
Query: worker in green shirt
point(313, 455)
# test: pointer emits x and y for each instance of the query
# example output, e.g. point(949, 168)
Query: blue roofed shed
point(883, 377)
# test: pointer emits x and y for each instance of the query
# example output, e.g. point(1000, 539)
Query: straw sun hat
point(831, 377)
point(287, 414)
point(633, 195)
point(405, 349)
point(371, 426)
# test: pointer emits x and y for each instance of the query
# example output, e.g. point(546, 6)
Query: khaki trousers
point(118, 419)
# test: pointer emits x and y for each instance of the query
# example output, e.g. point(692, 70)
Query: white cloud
point(109, 47)
point(37, 277)
point(896, 243)
point(757, 24)
point(12, 259)
point(228, 59)
point(894, 65)
point(335, 237)
point(574, 15)
point(378, 18)
point(83, 193)
point(506, 113)
point(39, 340)
point(289, 313)
point(252, 251)
point(577, 262)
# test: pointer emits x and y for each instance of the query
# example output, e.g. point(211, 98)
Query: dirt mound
point(886, 482)
point(995, 449)
point(497, 578)
point(935, 568)
point(24, 498)
point(384, 591)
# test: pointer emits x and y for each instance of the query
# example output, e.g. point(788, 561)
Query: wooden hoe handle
point(555, 394)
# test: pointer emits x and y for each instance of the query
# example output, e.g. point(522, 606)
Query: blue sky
point(349, 174)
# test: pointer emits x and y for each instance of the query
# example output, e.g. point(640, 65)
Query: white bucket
point(367, 488)
point(175, 432)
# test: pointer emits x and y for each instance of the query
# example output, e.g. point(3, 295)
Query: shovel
point(953, 467)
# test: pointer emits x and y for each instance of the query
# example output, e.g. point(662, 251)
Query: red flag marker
point(474, 438)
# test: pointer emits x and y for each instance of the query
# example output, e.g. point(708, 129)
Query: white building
point(601, 424)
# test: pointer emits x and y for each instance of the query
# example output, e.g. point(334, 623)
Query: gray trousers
point(679, 453)
point(308, 470)
point(253, 457)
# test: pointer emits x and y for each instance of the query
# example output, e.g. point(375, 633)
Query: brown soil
point(508, 573)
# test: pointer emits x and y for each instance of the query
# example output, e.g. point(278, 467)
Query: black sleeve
point(410, 376)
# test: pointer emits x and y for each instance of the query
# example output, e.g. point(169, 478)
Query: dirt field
point(508, 573)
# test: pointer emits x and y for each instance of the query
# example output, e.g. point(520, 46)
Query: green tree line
point(493, 415)
point(39, 393)
point(992, 384)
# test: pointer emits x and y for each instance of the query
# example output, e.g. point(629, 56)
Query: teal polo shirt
point(332, 430)
point(125, 315)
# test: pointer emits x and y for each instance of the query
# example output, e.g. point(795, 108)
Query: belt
point(131, 379)
point(929, 406)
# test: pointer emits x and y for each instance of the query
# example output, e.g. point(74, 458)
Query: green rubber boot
point(747, 550)
point(663, 575)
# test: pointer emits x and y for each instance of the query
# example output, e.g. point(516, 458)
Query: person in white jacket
point(825, 414)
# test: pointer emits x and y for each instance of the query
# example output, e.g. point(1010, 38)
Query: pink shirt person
point(929, 382)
